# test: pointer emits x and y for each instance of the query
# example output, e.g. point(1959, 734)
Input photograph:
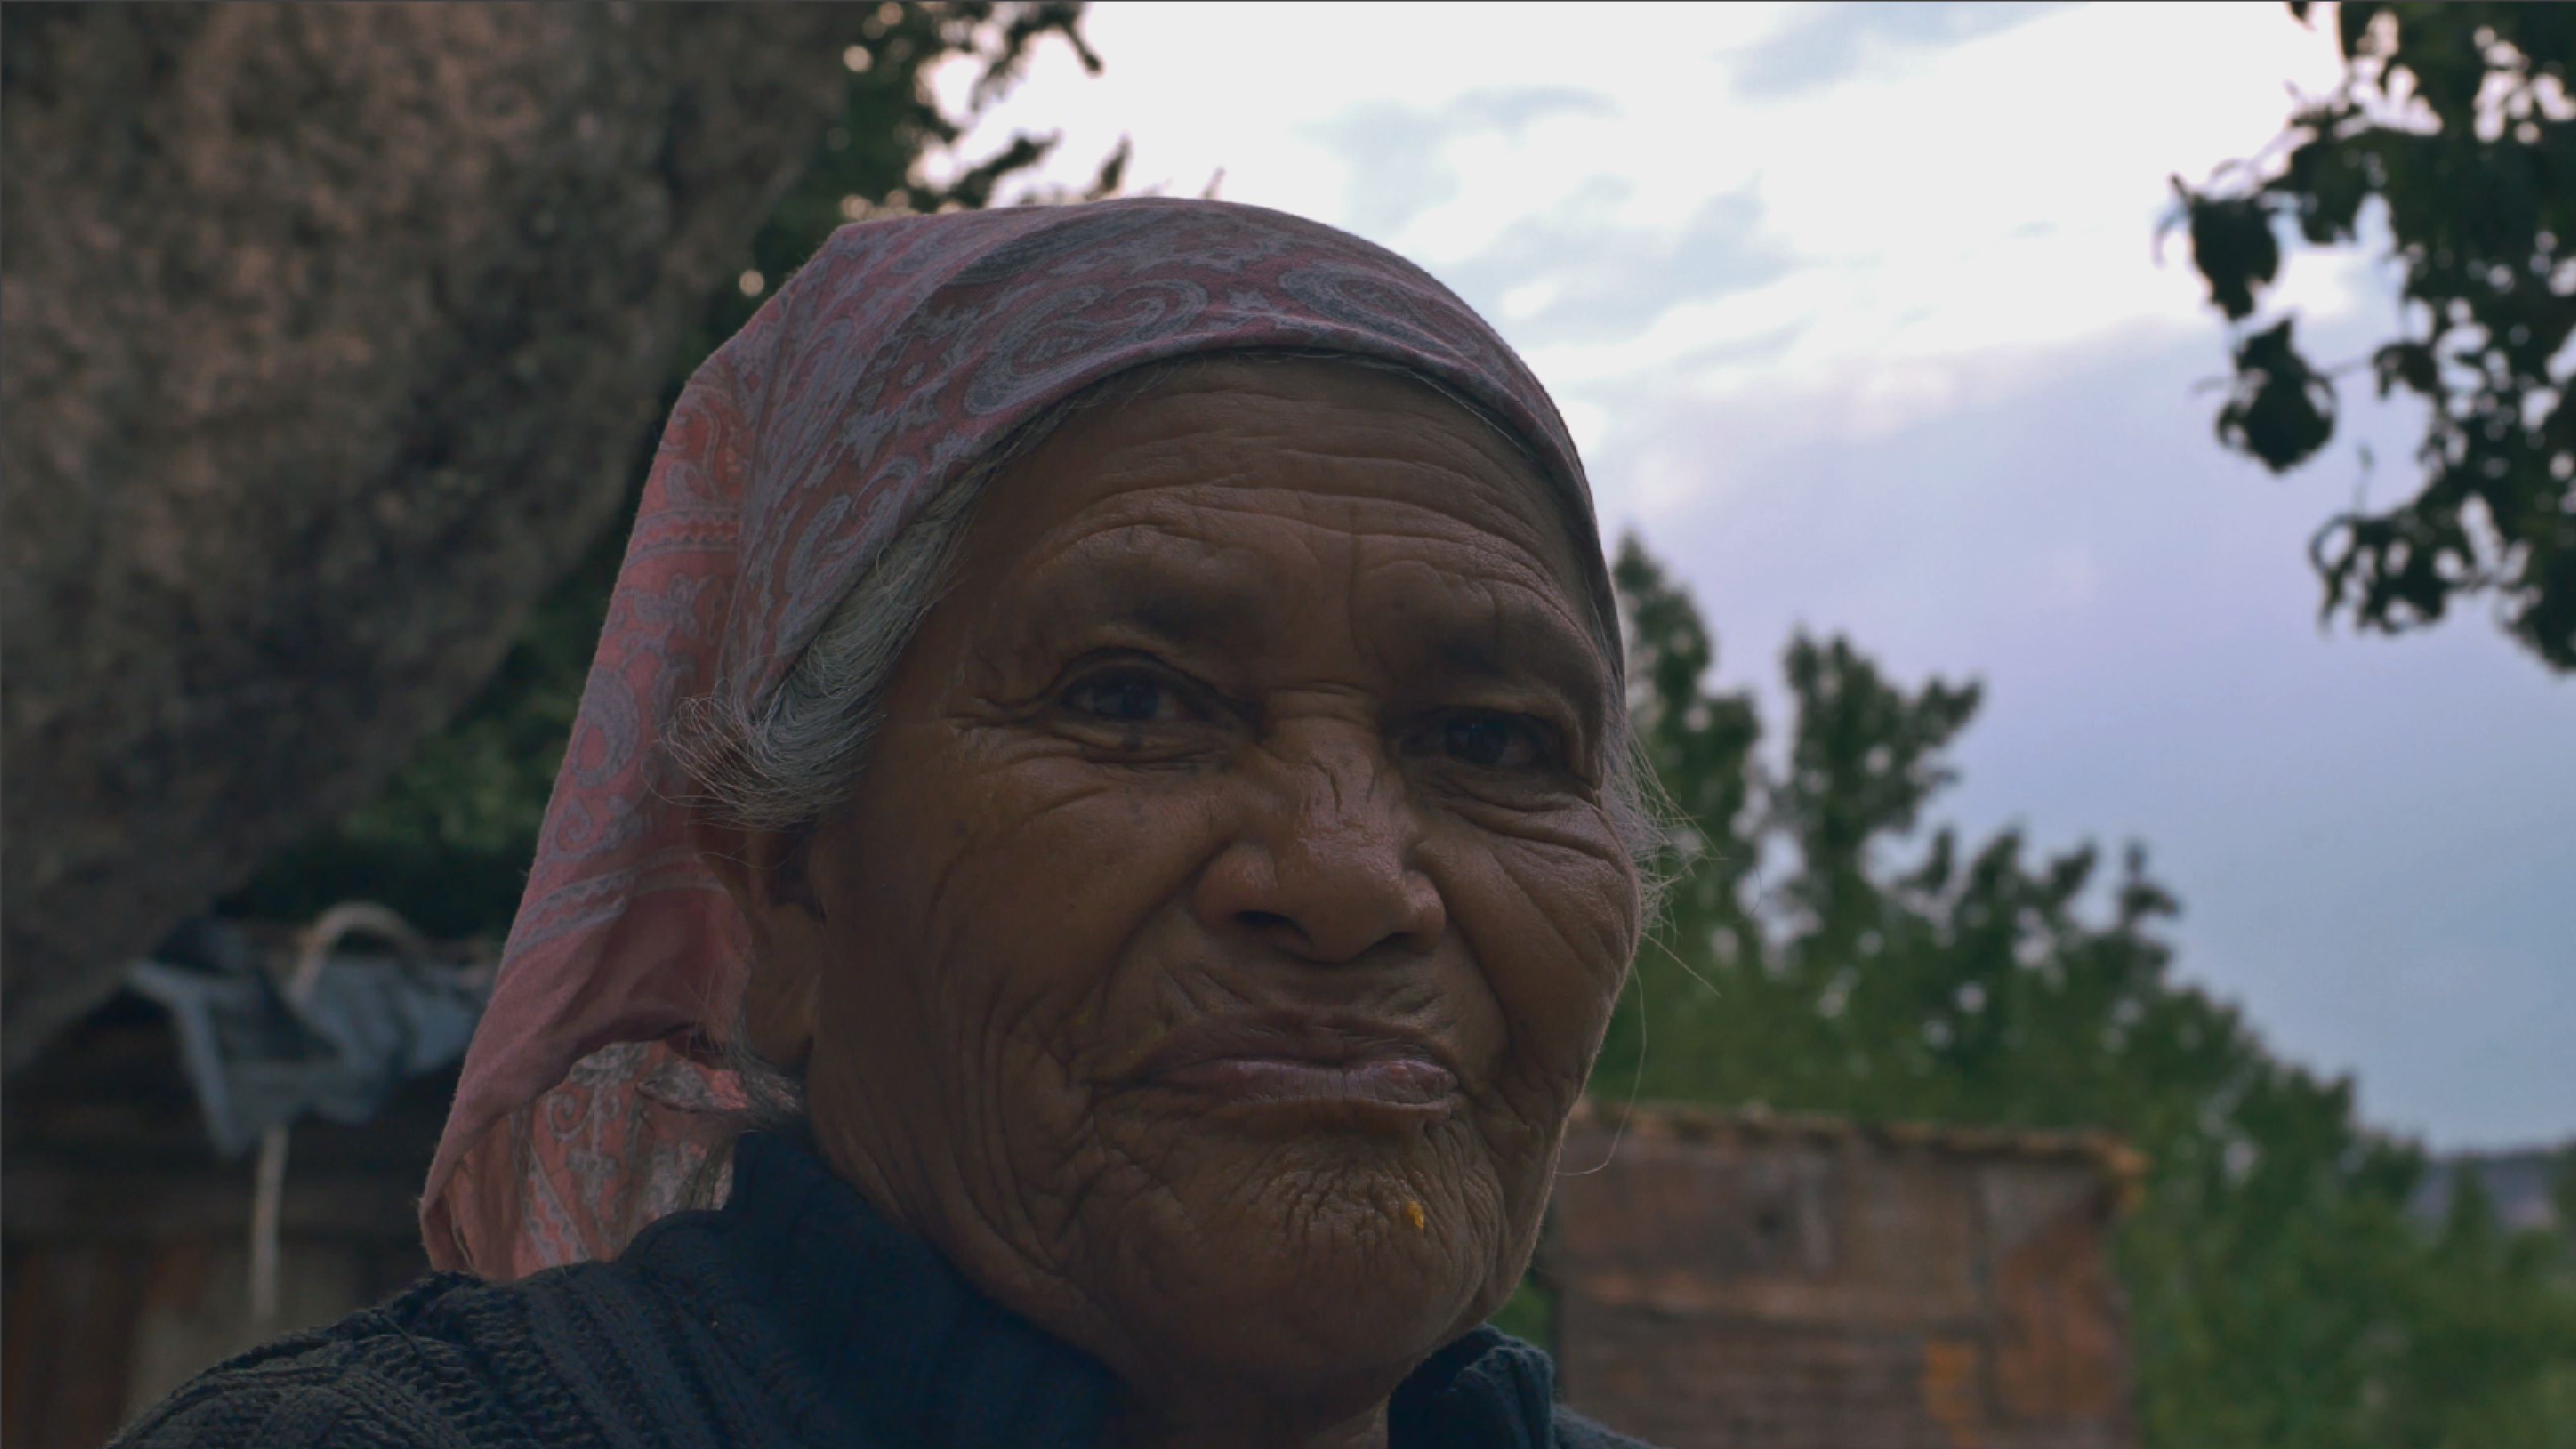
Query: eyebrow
point(1517, 640)
point(1200, 604)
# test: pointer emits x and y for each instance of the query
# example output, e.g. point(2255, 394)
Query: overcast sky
point(1854, 312)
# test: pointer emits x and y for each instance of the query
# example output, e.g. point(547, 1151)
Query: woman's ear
point(765, 873)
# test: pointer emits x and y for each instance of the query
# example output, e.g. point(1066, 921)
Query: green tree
point(2454, 127)
point(1825, 949)
point(449, 841)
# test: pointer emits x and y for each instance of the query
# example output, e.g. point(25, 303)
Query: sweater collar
point(898, 1346)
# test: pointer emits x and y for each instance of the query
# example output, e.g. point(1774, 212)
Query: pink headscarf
point(895, 357)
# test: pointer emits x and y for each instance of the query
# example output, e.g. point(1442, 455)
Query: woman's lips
point(1289, 1061)
point(1394, 1081)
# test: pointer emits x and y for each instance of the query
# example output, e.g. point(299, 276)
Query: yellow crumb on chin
point(1413, 1213)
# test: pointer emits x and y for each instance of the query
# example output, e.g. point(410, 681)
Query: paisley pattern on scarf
point(893, 359)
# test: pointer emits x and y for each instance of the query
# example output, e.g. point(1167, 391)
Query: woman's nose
point(1324, 866)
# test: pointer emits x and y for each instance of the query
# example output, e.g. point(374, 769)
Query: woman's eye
point(1494, 742)
point(1126, 698)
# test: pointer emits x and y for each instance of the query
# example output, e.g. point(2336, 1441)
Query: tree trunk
point(329, 336)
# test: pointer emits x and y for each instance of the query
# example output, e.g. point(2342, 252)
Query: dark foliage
point(2454, 125)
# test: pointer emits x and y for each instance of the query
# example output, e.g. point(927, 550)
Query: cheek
point(1553, 921)
point(1018, 885)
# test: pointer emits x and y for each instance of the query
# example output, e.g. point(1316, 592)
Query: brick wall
point(1759, 1282)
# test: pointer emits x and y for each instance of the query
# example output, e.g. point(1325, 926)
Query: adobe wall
point(1756, 1282)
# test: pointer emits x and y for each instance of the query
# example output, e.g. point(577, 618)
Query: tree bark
point(329, 337)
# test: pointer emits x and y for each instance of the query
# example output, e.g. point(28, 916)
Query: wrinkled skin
point(1263, 700)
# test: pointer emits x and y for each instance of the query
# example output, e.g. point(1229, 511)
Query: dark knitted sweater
point(795, 1315)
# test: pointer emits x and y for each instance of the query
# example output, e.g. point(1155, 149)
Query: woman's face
point(1230, 911)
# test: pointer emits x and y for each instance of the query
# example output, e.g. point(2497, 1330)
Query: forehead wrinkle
point(1498, 485)
point(1517, 507)
point(1358, 522)
point(1183, 586)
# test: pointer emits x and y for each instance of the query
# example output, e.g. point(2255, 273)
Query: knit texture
point(793, 1316)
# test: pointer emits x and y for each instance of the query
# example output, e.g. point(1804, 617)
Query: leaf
point(2233, 247)
point(2325, 182)
point(2281, 410)
point(2407, 364)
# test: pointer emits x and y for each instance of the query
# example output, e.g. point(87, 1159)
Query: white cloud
point(1649, 215)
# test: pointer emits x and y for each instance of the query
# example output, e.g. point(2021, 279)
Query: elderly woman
point(1108, 750)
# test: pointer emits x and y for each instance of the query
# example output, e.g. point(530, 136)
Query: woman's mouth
point(1291, 1061)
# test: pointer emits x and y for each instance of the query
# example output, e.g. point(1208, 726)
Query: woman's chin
point(1343, 1278)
